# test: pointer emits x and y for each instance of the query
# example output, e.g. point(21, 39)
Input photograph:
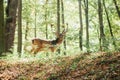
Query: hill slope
point(94, 66)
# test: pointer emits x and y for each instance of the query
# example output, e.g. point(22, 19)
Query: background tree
point(63, 23)
point(26, 11)
point(35, 12)
point(109, 25)
point(58, 16)
point(102, 34)
point(19, 27)
point(26, 30)
point(117, 8)
point(46, 22)
point(81, 25)
point(2, 28)
point(87, 24)
point(58, 19)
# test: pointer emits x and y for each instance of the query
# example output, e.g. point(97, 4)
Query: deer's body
point(39, 45)
point(43, 45)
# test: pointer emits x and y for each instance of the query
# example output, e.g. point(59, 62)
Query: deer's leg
point(52, 51)
point(36, 51)
point(32, 51)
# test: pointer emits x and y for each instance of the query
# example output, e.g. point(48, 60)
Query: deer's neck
point(57, 41)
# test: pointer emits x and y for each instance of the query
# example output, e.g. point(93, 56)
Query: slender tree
point(102, 35)
point(109, 24)
point(46, 2)
point(26, 30)
point(81, 26)
point(58, 19)
point(35, 18)
point(19, 27)
point(63, 22)
point(87, 24)
point(2, 28)
point(117, 8)
point(27, 11)
point(58, 16)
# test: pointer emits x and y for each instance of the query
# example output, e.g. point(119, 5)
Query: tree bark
point(46, 24)
point(26, 30)
point(58, 16)
point(19, 27)
point(81, 26)
point(2, 28)
point(63, 22)
point(35, 20)
point(87, 25)
point(102, 35)
point(11, 10)
point(58, 19)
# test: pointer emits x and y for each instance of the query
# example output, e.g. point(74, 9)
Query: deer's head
point(60, 36)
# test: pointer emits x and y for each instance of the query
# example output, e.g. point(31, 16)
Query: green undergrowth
point(84, 66)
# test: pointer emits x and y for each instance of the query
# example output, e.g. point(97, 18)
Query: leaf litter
point(104, 66)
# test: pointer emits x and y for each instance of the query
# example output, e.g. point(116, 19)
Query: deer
point(39, 45)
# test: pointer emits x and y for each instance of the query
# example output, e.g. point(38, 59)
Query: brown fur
point(39, 45)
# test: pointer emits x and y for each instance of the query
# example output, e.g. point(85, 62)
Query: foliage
point(72, 18)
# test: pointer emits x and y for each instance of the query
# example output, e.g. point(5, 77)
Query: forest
point(59, 39)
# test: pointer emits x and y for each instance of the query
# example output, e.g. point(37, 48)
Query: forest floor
point(93, 66)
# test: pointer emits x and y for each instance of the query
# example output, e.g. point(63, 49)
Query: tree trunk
point(109, 24)
point(58, 16)
point(58, 19)
point(102, 35)
point(11, 10)
point(87, 24)
point(81, 26)
point(2, 28)
point(35, 20)
point(19, 27)
point(26, 30)
point(46, 24)
point(63, 22)
point(117, 8)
